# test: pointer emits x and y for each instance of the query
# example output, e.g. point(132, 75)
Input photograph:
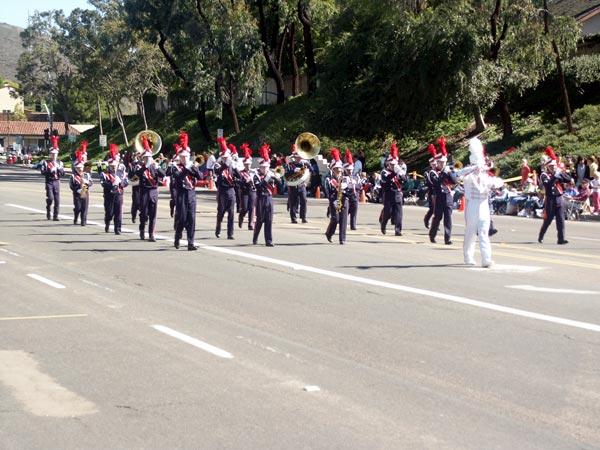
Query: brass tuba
point(307, 145)
point(153, 139)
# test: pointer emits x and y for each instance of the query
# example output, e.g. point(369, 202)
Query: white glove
point(277, 175)
point(117, 181)
point(189, 164)
point(53, 169)
point(557, 172)
point(297, 169)
point(397, 169)
point(447, 169)
point(229, 162)
point(336, 203)
point(344, 186)
point(268, 176)
point(79, 191)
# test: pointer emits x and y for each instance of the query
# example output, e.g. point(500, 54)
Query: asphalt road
point(110, 342)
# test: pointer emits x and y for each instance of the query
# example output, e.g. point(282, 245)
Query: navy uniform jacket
point(553, 185)
point(149, 176)
point(52, 170)
point(391, 181)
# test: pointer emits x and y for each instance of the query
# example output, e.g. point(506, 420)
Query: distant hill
point(10, 49)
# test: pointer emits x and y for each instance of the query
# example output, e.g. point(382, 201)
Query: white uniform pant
point(477, 222)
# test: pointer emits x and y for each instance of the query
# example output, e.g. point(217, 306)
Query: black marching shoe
point(304, 221)
point(230, 238)
point(342, 242)
point(132, 219)
point(177, 244)
point(240, 222)
point(563, 242)
point(432, 240)
point(250, 227)
point(328, 237)
point(448, 242)
point(541, 240)
point(56, 219)
point(426, 223)
point(492, 232)
point(294, 221)
point(192, 247)
point(142, 235)
point(117, 232)
point(151, 239)
point(398, 233)
point(269, 244)
point(217, 234)
point(382, 229)
point(48, 215)
point(106, 228)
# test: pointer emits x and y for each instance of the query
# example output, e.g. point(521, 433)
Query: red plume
point(183, 139)
point(247, 150)
point(84, 145)
point(114, 151)
point(145, 143)
point(54, 140)
point(394, 151)
point(222, 144)
point(441, 142)
point(335, 154)
point(177, 148)
point(550, 152)
point(264, 151)
point(232, 148)
point(431, 149)
point(348, 155)
point(79, 155)
point(293, 148)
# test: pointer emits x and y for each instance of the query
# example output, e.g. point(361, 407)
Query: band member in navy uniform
point(172, 185)
point(442, 179)
point(53, 170)
point(149, 174)
point(338, 202)
point(132, 166)
point(353, 190)
point(265, 181)
point(185, 177)
point(113, 181)
point(553, 179)
point(80, 184)
point(227, 175)
point(392, 178)
point(247, 189)
point(429, 186)
point(297, 194)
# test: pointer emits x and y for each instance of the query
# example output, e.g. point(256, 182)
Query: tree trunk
point(561, 75)
point(311, 66)
point(201, 118)
point(275, 73)
point(231, 106)
point(507, 129)
point(143, 112)
point(99, 115)
point(122, 123)
point(479, 121)
point(296, 88)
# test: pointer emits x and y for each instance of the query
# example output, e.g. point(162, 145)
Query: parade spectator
point(582, 171)
point(595, 184)
point(571, 189)
point(593, 165)
point(525, 172)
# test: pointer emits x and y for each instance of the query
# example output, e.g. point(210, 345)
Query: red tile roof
point(16, 128)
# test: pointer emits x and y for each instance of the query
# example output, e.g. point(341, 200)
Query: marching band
point(256, 188)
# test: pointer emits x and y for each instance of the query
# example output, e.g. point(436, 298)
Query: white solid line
point(527, 287)
point(193, 341)
point(2, 262)
point(417, 291)
point(46, 281)
point(584, 239)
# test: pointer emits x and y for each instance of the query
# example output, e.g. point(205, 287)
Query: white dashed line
point(45, 281)
point(10, 253)
point(193, 341)
point(526, 287)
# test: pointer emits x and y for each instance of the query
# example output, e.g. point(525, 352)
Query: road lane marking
point(38, 392)
point(412, 290)
point(10, 253)
point(45, 281)
point(2, 262)
point(507, 268)
point(193, 341)
point(527, 287)
point(61, 316)
point(546, 259)
point(91, 283)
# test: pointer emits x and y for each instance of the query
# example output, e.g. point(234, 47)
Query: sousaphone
point(307, 146)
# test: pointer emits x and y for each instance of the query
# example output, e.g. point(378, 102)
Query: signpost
point(102, 141)
point(219, 132)
point(72, 136)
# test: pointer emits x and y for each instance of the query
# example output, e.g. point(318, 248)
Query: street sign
point(72, 136)
point(219, 132)
point(102, 140)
